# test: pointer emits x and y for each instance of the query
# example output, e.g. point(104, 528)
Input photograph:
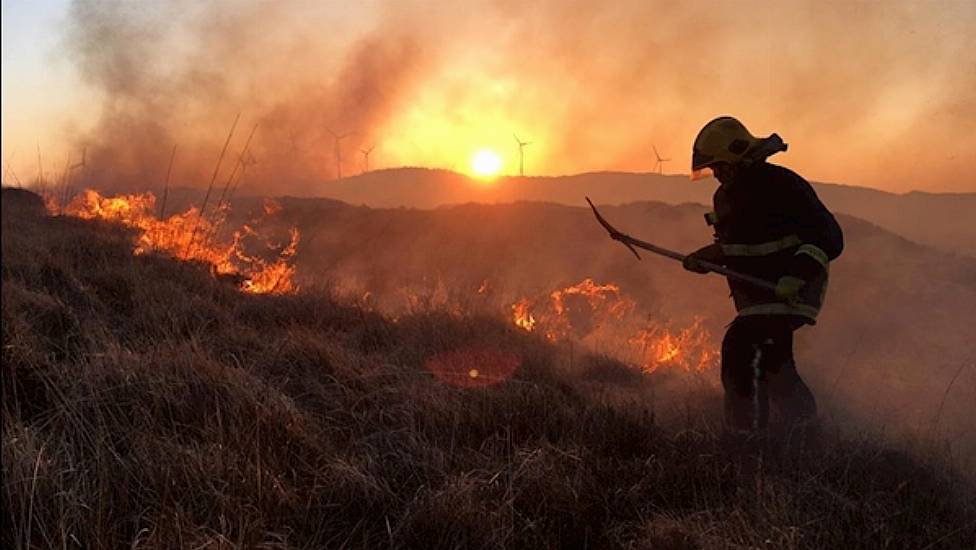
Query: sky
point(878, 94)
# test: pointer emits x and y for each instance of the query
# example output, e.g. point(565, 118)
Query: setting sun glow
point(486, 163)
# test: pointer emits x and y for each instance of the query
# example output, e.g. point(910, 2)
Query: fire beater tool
point(631, 243)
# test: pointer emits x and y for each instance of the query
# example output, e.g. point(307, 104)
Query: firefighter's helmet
point(725, 139)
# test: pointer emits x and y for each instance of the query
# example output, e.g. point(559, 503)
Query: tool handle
point(746, 278)
point(631, 242)
point(732, 274)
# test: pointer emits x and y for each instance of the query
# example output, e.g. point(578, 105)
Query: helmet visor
point(701, 173)
point(700, 159)
point(700, 165)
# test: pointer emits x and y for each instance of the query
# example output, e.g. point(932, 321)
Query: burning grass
point(194, 236)
point(147, 404)
point(590, 312)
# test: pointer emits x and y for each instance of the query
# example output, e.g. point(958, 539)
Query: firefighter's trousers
point(758, 367)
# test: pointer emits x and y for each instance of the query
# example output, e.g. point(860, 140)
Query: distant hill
point(944, 221)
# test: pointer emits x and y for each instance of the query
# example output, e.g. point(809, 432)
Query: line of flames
point(654, 344)
point(190, 236)
point(572, 312)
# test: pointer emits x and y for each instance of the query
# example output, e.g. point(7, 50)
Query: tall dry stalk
point(169, 170)
point(237, 166)
point(213, 179)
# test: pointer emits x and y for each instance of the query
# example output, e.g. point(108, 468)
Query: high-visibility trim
point(756, 383)
point(823, 291)
point(814, 252)
point(780, 308)
point(761, 249)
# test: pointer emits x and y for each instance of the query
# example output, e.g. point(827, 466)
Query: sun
point(486, 163)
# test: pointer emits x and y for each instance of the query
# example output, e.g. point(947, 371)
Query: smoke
point(867, 93)
point(858, 89)
point(178, 73)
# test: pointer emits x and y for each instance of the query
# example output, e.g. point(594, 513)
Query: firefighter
point(768, 222)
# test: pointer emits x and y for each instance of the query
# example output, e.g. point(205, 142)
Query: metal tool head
point(614, 234)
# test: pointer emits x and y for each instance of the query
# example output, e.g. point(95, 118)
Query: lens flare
point(474, 367)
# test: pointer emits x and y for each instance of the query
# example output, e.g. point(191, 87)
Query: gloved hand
point(711, 253)
point(788, 288)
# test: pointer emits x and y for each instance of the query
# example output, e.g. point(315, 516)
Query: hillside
point(943, 221)
point(149, 404)
point(894, 344)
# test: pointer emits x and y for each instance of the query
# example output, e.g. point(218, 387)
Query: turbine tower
point(366, 153)
point(659, 167)
point(521, 146)
point(80, 165)
point(338, 151)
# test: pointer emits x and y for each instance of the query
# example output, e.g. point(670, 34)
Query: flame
point(522, 317)
point(269, 278)
point(590, 311)
point(574, 311)
point(189, 236)
point(689, 349)
point(596, 295)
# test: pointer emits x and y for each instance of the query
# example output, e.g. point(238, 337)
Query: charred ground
point(148, 404)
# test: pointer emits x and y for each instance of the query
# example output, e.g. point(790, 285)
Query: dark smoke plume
point(177, 73)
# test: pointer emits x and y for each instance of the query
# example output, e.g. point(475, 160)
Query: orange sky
point(875, 94)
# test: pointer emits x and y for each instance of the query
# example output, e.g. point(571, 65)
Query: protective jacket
point(770, 223)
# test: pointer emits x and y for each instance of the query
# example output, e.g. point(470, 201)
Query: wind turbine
point(366, 153)
point(521, 145)
point(660, 161)
point(338, 151)
point(80, 165)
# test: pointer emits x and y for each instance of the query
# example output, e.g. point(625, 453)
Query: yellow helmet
point(725, 139)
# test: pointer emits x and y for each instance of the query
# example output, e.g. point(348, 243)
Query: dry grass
point(147, 405)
